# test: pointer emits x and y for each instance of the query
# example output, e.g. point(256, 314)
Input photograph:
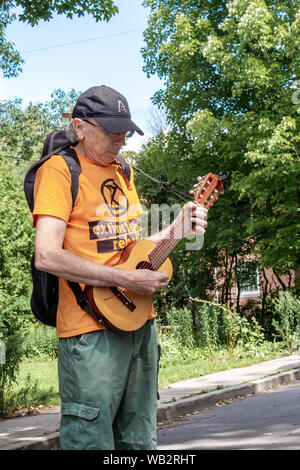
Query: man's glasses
point(110, 134)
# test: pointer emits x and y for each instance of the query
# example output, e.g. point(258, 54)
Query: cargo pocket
point(79, 429)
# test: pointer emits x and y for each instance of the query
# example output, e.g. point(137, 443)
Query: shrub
point(287, 327)
point(250, 331)
point(181, 322)
point(16, 242)
point(216, 325)
point(41, 341)
point(10, 368)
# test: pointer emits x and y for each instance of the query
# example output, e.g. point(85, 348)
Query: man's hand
point(145, 281)
point(193, 218)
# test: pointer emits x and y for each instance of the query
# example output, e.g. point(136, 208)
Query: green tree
point(32, 12)
point(23, 130)
point(16, 244)
point(231, 73)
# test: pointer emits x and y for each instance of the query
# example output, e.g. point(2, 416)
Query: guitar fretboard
point(208, 189)
point(164, 247)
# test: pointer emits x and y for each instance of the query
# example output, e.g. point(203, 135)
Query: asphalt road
point(267, 421)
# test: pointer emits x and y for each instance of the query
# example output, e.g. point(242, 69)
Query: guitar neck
point(164, 247)
point(208, 189)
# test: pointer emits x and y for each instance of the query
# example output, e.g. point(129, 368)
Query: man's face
point(97, 144)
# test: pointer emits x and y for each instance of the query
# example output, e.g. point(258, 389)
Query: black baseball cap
point(108, 107)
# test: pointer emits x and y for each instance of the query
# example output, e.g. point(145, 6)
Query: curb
point(206, 400)
point(186, 405)
point(50, 442)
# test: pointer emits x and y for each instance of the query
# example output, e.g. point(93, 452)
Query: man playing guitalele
point(107, 378)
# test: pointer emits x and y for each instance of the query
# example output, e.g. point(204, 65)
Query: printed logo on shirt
point(114, 197)
point(114, 236)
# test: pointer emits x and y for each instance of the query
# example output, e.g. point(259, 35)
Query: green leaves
point(16, 245)
point(33, 12)
point(23, 131)
point(231, 92)
point(37, 10)
point(10, 60)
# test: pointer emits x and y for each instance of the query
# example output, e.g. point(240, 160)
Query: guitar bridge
point(123, 298)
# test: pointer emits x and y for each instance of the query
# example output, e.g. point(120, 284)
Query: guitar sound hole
point(144, 265)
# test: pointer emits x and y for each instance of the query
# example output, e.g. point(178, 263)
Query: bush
point(208, 325)
point(170, 348)
point(250, 332)
point(23, 398)
point(35, 342)
point(16, 242)
point(215, 324)
point(173, 350)
point(10, 369)
point(181, 322)
point(287, 327)
point(41, 341)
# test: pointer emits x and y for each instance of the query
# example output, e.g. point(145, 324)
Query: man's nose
point(120, 138)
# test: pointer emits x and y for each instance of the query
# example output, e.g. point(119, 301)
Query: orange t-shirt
point(104, 219)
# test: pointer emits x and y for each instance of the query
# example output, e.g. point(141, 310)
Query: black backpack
point(45, 290)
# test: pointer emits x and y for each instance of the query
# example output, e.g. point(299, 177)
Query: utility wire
point(82, 41)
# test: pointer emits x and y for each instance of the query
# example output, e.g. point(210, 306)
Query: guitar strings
point(159, 251)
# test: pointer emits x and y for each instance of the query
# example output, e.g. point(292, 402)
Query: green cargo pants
point(108, 389)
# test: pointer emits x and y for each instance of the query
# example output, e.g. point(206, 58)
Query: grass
point(43, 373)
point(180, 370)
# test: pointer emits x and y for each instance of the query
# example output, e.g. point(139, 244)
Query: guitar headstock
point(209, 187)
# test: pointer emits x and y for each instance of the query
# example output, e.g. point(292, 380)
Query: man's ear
point(78, 125)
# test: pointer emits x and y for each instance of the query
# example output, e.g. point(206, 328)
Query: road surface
point(267, 421)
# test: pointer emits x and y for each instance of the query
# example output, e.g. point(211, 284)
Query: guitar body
point(122, 309)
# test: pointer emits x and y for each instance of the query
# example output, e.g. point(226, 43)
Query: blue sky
point(114, 60)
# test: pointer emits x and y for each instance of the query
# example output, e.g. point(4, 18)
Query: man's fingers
point(199, 211)
point(199, 222)
point(148, 282)
point(164, 276)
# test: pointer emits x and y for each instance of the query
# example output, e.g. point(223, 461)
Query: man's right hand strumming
point(144, 281)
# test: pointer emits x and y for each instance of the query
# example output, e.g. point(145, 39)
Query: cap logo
point(121, 107)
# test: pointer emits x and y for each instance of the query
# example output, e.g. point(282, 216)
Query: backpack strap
point(70, 157)
point(82, 301)
point(125, 167)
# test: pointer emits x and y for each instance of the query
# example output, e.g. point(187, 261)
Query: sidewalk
point(41, 431)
